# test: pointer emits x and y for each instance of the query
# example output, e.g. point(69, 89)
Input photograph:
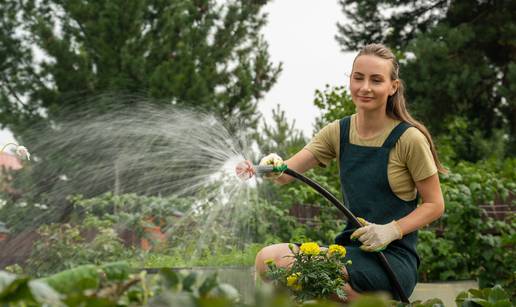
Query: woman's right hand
point(272, 159)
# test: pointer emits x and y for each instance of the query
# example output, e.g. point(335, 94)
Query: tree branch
point(11, 91)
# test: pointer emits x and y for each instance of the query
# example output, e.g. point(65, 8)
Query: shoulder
point(413, 135)
point(412, 143)
point(414, 151)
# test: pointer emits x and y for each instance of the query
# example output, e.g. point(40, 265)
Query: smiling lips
point(364, 98)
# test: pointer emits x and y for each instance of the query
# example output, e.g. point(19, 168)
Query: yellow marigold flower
point(336, 249)
point(293, 281)
point(310, 248)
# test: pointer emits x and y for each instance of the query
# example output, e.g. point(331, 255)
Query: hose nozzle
point(246, 170)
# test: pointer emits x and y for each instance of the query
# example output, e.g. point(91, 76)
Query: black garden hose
point(352, 219)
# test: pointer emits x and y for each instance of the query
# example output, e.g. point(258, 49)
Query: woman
point(386, 159)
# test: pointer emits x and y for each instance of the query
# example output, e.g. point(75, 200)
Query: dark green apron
point(367, 193)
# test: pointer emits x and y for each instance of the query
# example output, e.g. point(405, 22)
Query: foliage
point(464, 141)
point(490, 123)
point(63, 246)
point(219, 258)
point(21, 214)
point(131, 210)
point(192, 53)
point(115, 284)
point(334, 103)
point(314, 274)
point(327, 224)
point(98, 229)
point(62, 60)
point(457, 57)
point(465, 242)
point(21, 289)
point(196, 286)
point(280, 137)
point(488, 297)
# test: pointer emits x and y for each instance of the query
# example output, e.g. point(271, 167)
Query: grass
point(233, 257)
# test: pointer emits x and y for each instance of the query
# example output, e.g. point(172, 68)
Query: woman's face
point(371, 83)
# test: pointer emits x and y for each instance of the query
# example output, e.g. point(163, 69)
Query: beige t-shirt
point(411, 159)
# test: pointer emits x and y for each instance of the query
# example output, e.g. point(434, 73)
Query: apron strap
point(344, 130)
point(395, 135)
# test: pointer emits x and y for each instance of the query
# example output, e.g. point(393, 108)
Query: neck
point(370, 124)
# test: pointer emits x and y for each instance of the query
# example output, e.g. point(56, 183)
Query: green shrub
point(465, 242)
point(63, 246)
point(115, 284)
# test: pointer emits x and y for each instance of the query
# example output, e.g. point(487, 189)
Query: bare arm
point(430, 210)
point(300, 162)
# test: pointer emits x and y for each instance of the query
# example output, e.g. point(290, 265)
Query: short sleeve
point(417, 154)
point(324, 145)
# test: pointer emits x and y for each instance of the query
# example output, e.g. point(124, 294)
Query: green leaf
point(479, 293)
point(369, 301)
point(171, 278)
point(434, 302)
point(44, 294)
point(190, 280)
point(116, 271)
point(497, 293)
point(74, 280)
point(462, 297)
point(225, 291)
point(13, 287)
point(209, 283)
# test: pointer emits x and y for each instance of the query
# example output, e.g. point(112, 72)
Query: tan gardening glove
point(274, 160)
point(376, 237)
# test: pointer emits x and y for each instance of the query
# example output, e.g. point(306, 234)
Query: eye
point(358, 78)
point(377, 80)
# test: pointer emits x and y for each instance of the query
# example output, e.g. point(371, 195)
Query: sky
point(301, 35)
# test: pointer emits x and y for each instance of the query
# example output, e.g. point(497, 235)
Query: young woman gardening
point(386, 159)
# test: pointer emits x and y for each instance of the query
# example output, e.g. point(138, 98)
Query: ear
point(394, 87)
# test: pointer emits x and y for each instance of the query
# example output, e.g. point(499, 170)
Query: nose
point(365, 88)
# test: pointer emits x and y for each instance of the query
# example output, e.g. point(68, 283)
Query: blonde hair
point(396, 105)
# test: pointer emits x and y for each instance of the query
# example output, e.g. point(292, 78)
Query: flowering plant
point(316, 273)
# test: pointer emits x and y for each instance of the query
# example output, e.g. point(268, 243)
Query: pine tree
point(64, 59)
point(458, 58)
point(280, 136)
point(55, 54)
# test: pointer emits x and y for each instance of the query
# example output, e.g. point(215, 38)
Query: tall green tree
point(280, 136)
point(458, 59)
point(201, 53)
point(59, 58)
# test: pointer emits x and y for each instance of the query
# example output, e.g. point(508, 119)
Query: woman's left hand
point(376, 237)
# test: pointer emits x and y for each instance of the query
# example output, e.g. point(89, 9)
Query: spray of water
point(149, 150)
